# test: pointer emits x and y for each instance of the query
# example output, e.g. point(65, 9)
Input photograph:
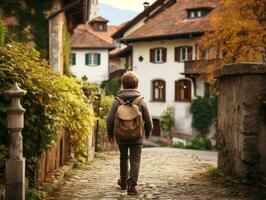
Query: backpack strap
point(137, 101)
point(121, 101)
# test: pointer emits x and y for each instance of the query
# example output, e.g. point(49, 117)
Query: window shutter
point(152, 55)
point(190, 52)
point(177, 54)
point(86, 59)
point(99, 59)
point(73, 59)
point(164, 52)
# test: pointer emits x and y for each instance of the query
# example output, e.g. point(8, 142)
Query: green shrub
point(179, 145)
point(106, 104)
point(198, 143)
point(111, 87)
point(33, 194)
point(167, 120)
point(203, 110)
point(51, 102)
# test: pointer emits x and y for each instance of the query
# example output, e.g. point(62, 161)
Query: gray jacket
point(129, 95)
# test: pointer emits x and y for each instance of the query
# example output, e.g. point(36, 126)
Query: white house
point(90, 46)
point(165, 55)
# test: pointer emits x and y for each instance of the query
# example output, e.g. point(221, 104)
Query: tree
point(238, 31)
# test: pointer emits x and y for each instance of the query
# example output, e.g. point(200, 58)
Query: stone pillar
point(15, 165)
point(241, 120)
point(56, 39)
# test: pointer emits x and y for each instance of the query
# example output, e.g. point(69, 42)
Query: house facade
point(165, 41)
point(90, 47)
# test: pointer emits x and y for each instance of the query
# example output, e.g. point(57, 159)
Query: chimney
point(146, 5)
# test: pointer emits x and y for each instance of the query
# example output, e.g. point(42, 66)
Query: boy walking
point(129, 122)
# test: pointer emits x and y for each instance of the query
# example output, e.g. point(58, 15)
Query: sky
point(134, 5)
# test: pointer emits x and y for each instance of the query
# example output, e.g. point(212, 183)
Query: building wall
point(94, 9)
point(95, 74)
point(169, 72)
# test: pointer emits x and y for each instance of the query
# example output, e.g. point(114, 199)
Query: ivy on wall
point(204, 111)
point(32, 22)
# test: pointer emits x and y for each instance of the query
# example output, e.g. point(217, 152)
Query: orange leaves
point(238, 30)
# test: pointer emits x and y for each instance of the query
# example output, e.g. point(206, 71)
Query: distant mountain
point(116, 16)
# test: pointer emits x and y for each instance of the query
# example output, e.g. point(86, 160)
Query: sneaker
point(131, 190)
point(122, 183)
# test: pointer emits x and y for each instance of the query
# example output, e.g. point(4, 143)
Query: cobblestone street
point(165, 174)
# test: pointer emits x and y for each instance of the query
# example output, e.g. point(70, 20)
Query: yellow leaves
point(52, 101)
point(238, 30)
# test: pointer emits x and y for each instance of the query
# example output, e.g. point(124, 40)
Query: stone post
point(15, 165)
point(241, 120)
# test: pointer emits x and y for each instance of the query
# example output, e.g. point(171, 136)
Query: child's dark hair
point(129, 80)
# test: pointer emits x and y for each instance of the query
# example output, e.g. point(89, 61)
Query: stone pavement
point(166, 173)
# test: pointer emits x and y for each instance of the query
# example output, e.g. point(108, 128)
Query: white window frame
point(181, 54)
point(93, 57)
point(158, 55)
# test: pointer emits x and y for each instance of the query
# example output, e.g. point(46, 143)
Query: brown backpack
point(128, 124)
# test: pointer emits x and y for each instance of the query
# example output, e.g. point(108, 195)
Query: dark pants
point(134, 157)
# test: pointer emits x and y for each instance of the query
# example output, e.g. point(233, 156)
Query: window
point(73, 59)
point(158, 55)
point(158, 90)
point(183, 90)
point(192, 14)
point(198, 13)
point(183, 53)
point(100, 27)
point(92, 59)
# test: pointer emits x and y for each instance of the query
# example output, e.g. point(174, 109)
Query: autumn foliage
point(238, 31)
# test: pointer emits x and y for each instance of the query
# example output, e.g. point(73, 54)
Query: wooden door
point(156, 128)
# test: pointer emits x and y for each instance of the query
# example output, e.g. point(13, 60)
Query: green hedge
point(52, 101)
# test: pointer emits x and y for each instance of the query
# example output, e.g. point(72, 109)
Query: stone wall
point(241, 120)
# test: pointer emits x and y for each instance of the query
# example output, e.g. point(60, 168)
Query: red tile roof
point(151, 10)
point(86, 40)
point(173, 21)
point(86, 37)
